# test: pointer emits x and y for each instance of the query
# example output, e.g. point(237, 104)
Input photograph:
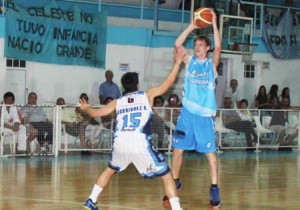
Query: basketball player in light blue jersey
point(195, 127)
point(132, 134)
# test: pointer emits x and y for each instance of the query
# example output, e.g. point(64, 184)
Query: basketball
point(203, 17)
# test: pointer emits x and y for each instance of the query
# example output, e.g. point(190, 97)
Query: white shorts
point(135, 148)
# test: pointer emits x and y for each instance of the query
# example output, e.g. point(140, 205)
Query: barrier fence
point(54, 130)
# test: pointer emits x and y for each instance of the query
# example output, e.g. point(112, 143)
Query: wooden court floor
point(267, 180)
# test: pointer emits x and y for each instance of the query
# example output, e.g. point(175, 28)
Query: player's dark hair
point(130, 81)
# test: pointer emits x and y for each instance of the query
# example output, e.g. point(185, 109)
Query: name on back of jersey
point(131, 109)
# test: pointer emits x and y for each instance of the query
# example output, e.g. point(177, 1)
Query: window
point(249, 71)
point(15, 63)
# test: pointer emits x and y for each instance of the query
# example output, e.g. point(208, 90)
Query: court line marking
point(68, 202)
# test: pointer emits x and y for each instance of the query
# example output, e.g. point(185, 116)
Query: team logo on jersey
point(130, 100)
point(151, 168)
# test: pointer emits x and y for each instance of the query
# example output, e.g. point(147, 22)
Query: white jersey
point(134, 114)
point(131, 140)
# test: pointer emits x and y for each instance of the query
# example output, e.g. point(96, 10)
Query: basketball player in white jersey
point(132, 134)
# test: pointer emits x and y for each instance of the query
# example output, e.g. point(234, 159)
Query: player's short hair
point(130, 81)
point(203, 38)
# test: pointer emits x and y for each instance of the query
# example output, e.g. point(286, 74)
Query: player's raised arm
point(179, 53)
point(106, 110)
point(217, 41)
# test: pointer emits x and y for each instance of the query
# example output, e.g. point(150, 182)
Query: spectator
point(158, 120)
point(289, 3)
point(261, 100)
point(273, 96)
point(35, 116)
point(173, 102)
point(285, 93)
point(106, 120)
point(240, 121)
point(68, 118)
point(280, 122)
point(12, 123)
point(233, 93)
point(83, 121)
point(159, 102)
point(108, 88)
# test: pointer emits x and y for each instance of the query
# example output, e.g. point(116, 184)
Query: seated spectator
point(106, 120)
point(244, 112)
point(285, 93)
point(83, 120)
point(233, 93)
point(261, 100)
point(68, 118)
point(280, 122)
point(35, 116)
point(273, 96)
point(12, 123)
point(173, 102)
point(240, 121)
point(158, 120)
point(172, 115)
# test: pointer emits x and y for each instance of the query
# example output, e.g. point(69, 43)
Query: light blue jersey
point(199, 88)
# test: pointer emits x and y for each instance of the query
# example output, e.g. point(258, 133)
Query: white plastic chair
point(262, 131)
point(221, 129)
point(11, 138)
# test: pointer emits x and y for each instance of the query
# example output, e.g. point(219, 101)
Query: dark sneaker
point(215, 200)
point(89, 205)
point(166, 202)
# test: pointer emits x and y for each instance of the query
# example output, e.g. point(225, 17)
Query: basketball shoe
point(89, 205)
point(215, 200)
point(166, 202)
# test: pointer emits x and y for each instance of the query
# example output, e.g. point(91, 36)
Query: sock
point(214, 185)
point(95, 193)
point(175, 204)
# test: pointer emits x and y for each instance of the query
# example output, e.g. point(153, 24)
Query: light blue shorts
point(194, 132)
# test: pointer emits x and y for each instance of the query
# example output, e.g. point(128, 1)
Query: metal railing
point(73, 133)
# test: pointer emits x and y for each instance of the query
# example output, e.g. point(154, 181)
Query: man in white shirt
point(233, 93)
point(12, 123)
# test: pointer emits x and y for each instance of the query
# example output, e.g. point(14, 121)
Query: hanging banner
point(48, 34)
point(281, 32)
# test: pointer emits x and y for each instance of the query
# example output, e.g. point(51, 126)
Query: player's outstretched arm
point(106, 110)
point(179, 53)
point(182, 37)
point(217, 41)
